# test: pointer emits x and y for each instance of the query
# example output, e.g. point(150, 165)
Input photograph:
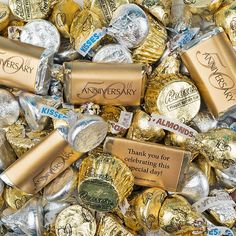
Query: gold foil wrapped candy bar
point(4, 16)
point(141, 129)
point(154, 45)
point(75, 220)
point(174, 96)
point(104, 182)
point(147, 207)
point(158, 8)
point(178, 217)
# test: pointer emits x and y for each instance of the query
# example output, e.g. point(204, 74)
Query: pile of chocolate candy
point(118, 118)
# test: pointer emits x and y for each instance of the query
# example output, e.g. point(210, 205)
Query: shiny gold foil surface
point(63, 14)
point(75, 220)
point(178, 217)
point(173, 96)
point(154, 45)
point(12, 23)
point(105, 8)
point(147, 208)
point(15, 198)
point(104, 182)
point(83, 25)
point(4, 16)
point(158, 8)
point(226, 18)
point(110, 225)
point(28, 10)
point(173, 139)
point(141, 129)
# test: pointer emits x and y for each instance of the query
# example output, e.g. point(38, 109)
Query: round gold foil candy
point(104, 182)
point(75, 220)
point(28, 10)
point(83, 25)
point(226, 18)
point(111, 114)
point(153, 46)
point(174, 96)
point(178, 217)
point(141, 129)
point(147, 208)
point(109, 225)
point(63, 14)
point(15, 198)
point(173, 139)
point(4, 16)
point(158, 8)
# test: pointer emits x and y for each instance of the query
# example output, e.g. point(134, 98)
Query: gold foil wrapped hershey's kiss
point(158, 8)
point(173, 96)
point(154, 45)
point(141, 129)
point(147, 207)
point(4, 16)
point(178, 217)
point(104, 182)
point(75, 220)
point(63, 14)
point(226, 18)
point(28, 10)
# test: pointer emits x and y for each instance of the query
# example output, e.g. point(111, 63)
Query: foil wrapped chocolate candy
point(174, 96)
point(75, 220)
point(4, 16)
point(129, 25)
point(173, 139)
point(225, 180)
point(104, 182)
point(141, 129)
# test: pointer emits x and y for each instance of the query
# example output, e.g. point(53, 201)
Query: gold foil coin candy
point(226, 18)
point(174, 96)
point(75, 220)
point(141, 129)
point(28, 10)
point(154, 45)
point(4, 16)
point(158, 8)
point(104, 182)
point(178, 217)
point(147, 207)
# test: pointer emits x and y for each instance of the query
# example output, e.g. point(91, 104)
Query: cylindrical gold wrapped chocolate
point(141, 129)
point(226, 18)
point(63, 14)
point(104, 182)
point(20, 66)
point(147, 207)
point(4, 16)
point(211, 62)
point(106, 84)
point(41, 164)
point(158, 8)
point(154, 45)
point(174, 96)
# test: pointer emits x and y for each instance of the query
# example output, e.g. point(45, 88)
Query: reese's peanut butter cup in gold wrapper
point(28, 10)
point(174, 96)
point(226, 18)
point(147, 207)
point(63, 14)
point(141, 129)
point(104, 182)
point(158, 8)
point(4, 16)
point(154, 45)
point(111, 225)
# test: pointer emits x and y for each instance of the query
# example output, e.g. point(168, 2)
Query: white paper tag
point(124, 206)
point(171, 125)
point(91, 41)
point(219, 231)
point(53, 113)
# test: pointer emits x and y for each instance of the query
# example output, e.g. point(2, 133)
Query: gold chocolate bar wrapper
point(41, 164)
point(211, 62)
point(153, 165)
point(105, 84)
